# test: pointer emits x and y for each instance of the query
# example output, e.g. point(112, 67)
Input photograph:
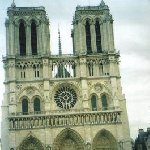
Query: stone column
point(75, 39)
point(47, 39)
point(105, 34)
point(43, 39)
point(7, 36)
point(81, 33)
point(11, 40)
point(108, 35)
point(112, 48)
point(83, 68)
point(93, 37)
point(16, 49)
point(28, 40)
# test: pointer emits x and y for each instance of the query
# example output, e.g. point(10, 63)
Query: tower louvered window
point(25, 106)
point(98, 37)
point(37, 105)
point(88, 37)
point(22, 38)
point(104, 102)
point(33, 38)
point(94, 103)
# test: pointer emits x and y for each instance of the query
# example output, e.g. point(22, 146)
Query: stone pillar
point(11, 40)
point(108, 36)
point(112, 48)
point(7, 36)
point(76, 39)
point(43, 39)
point(105, 34)
point(47, 39)
point(81, 32)
point(17, 46)
point(28, 40)
point(93, 38)
point(46, 69)
point(83, 68)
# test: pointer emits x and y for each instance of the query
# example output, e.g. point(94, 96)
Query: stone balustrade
point(64, 119)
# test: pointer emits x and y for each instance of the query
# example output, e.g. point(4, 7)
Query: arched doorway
point(68, 139)
point(31, 143)
point(104, 140)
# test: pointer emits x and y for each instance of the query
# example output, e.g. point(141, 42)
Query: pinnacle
point(102, 3)
point(13, 4)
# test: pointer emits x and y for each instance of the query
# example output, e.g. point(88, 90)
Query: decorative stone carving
point(98, 87)
point(31, 143)
point(40, 86)
point(19, 87)
point(88, 146)
point(30, 91)
point(48, 147)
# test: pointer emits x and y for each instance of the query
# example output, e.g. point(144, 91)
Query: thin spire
point(13, 4)
point(102, 3)
point(59, 42)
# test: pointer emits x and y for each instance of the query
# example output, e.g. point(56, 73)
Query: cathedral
point(62, 102)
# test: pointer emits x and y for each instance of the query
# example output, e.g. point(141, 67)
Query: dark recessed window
point(88, 37)
point(22, 38)
point(104, 102)
point(37, 107)
point(33, 38)
point(25, 106)
point(98, 37)
point(94, 103)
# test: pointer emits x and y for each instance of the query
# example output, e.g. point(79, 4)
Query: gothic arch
point(87, 18)
point(19, 19)
point(30, 91)
point(93, 101)
point(109, 101)
point(98, 19)
point(31, 143)
point(25, 105)
point(33, 18)
point(38, 104)
point(68, 139)
point(104, 140)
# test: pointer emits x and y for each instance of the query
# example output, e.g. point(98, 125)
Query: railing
point(88, 8)
point(64, 119)
point(27, 8)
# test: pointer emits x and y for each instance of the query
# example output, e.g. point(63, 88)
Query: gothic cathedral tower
point(63, 102)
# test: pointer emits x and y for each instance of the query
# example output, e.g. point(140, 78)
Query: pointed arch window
point(37, 105)
point(98, 37)
point(104, 102)
point(94, 102)
point(88, 37)
point(33, 38)
point(25, 106)
point(22, 38)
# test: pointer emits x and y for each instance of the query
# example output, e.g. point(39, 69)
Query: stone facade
point(62, 102)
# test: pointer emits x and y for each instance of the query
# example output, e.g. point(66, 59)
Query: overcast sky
point(132, 39)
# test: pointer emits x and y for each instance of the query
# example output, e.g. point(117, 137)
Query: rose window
point(65, 97)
